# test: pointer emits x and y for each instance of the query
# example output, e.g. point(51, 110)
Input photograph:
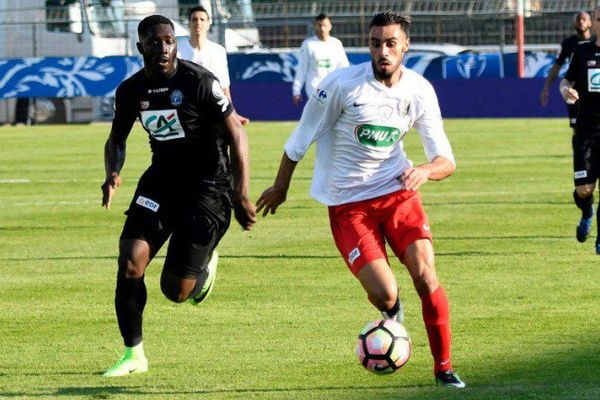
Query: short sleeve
point(212, 99)
point(125, 111)
point(571, 75)
point(318, 118)
point(565, 53)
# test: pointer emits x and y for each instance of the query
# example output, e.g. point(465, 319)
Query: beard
point(383, 74)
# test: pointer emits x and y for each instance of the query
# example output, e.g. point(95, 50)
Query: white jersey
point(212, 56)
point(317, 59)
point(358, 125)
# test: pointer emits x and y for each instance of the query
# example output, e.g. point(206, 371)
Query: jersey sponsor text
point(163, 124)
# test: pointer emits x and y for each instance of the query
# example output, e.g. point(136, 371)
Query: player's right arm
point(318, 118)
point(114, 148)
point(276, 195)
point(553, 73)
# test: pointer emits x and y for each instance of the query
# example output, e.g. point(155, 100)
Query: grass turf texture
point(282, 321)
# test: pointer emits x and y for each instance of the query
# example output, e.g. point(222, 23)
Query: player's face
point(582, 22)
point(159, 49)
point(323, 28)
point(199, 22)
point(387, 45)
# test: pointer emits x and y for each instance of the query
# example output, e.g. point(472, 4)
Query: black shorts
point(572, 108)
point(586, 159)
point(195, 216)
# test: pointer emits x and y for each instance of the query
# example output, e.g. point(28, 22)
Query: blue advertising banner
point(64, 76)
point(468, 85)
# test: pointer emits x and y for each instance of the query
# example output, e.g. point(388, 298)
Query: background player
point(205, 52)
point(319, 55)
point(186, 194)
point(581, 86)
point(358, 119)
point(582, 23)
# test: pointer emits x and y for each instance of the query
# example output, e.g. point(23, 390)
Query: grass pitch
point(283, 318)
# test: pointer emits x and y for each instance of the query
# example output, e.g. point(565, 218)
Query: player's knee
point(173, 294)
point(131, 267)
point(425, 284)
point(584, 191)
point(174, 290)
point(384, 298)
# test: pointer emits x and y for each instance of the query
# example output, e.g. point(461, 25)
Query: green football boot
point(128, 364)
point(210, 281)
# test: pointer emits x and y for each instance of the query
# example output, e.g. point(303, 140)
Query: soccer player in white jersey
point(207, 53)
point(358, 118)
point(319, 55)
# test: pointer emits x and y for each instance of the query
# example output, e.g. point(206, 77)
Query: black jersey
point(182, 115)
point(568, 46)
point(584, 70)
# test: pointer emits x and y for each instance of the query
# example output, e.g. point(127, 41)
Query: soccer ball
point(383, 346)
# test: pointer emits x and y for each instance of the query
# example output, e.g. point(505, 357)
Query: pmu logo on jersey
point(376, 135)
point(594, 80)
point(162, 124)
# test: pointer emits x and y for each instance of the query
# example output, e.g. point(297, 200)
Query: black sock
point(130, 300)
point(585, 205)
point(392, 312)
point(200, 281)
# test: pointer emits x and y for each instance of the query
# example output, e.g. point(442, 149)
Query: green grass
point(283, 318)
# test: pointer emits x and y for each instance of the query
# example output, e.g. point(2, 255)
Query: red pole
point(520, 36)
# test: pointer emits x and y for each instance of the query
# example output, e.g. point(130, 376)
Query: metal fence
point(468, 23)
point(285, 23)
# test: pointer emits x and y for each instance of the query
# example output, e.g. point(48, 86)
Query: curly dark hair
point(391, 18)
point(150, 21)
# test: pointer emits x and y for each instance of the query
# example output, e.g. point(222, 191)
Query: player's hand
point(544, 97)
point(244, 212)
point(243, 120)
point(413, 178)
point(570, 95)
point(108, 188)
point(297, 99)
point(270, 199)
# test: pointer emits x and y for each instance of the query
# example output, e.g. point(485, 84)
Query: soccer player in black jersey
point(199, 171)
point(582, 23)
point(581, 86)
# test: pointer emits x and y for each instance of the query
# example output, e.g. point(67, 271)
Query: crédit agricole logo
point(163, 124)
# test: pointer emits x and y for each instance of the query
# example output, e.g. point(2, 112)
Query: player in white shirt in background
point(319, 55)
point(206, 53)
point(358, 119)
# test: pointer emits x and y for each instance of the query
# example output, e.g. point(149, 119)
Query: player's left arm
point(436, 170)
point(243, 208)
point(437, 147)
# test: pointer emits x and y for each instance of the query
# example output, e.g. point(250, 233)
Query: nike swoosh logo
point(132, 370)
point(359, 104)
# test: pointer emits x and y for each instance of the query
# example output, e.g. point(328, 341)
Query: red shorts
point(361, 229)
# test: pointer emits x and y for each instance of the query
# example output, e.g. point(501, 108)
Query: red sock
point(436, 314)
